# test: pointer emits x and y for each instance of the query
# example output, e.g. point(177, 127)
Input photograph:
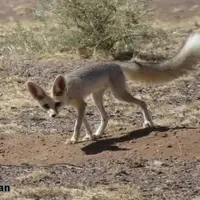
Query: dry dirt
point(162, 163)
point(176, 10)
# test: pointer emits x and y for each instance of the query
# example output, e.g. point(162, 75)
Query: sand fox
point(72, 89)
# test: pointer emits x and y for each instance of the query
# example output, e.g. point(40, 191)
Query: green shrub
point(88, 26)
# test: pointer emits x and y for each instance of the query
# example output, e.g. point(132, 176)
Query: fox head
point(45, 101)
point(51, 104)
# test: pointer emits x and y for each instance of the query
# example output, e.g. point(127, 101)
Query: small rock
point(46, 158)
point(163, 134)
point(2, 151)
point(157, 163)
point(169, 146)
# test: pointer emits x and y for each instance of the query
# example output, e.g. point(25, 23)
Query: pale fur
point(72, 89)
point(185, 60)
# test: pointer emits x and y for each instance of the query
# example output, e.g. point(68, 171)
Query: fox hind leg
point(120, 92)
point(88, 130)
point(98, 101)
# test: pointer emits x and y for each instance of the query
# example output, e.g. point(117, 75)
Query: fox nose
point(54, 115)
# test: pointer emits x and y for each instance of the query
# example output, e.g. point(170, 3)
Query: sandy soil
point(163, 162)
point(32, 141)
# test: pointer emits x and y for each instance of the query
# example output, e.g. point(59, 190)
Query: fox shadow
point(108, 144)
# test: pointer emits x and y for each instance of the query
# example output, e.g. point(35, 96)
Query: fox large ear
point(59, 85)
point(35, 90)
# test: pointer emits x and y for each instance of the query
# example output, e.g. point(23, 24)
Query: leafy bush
point(87, 26)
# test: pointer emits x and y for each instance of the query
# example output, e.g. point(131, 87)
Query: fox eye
point(46, 106)
point(57, 104)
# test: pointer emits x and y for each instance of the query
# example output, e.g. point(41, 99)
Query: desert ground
point(128, 162)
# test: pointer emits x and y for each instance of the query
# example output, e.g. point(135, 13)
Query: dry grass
point(98, 193)
point(51, 41)
point(128, 24)
point(35, 176)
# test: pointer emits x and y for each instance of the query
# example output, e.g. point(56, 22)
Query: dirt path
point(161, 144)
point(163, 162)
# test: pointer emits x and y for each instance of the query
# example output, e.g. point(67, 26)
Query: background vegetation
point(89, 28)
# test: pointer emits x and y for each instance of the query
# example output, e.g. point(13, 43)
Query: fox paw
point(71, 141)
point(148, 124)
point(87, 138)
point(97, 136)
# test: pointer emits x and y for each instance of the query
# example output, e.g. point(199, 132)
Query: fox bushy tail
point(184, 61)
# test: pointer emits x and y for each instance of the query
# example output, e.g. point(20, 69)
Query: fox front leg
point(88, 130)
point(81, 105)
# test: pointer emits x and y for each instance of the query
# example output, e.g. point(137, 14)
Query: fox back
point(93, 78)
